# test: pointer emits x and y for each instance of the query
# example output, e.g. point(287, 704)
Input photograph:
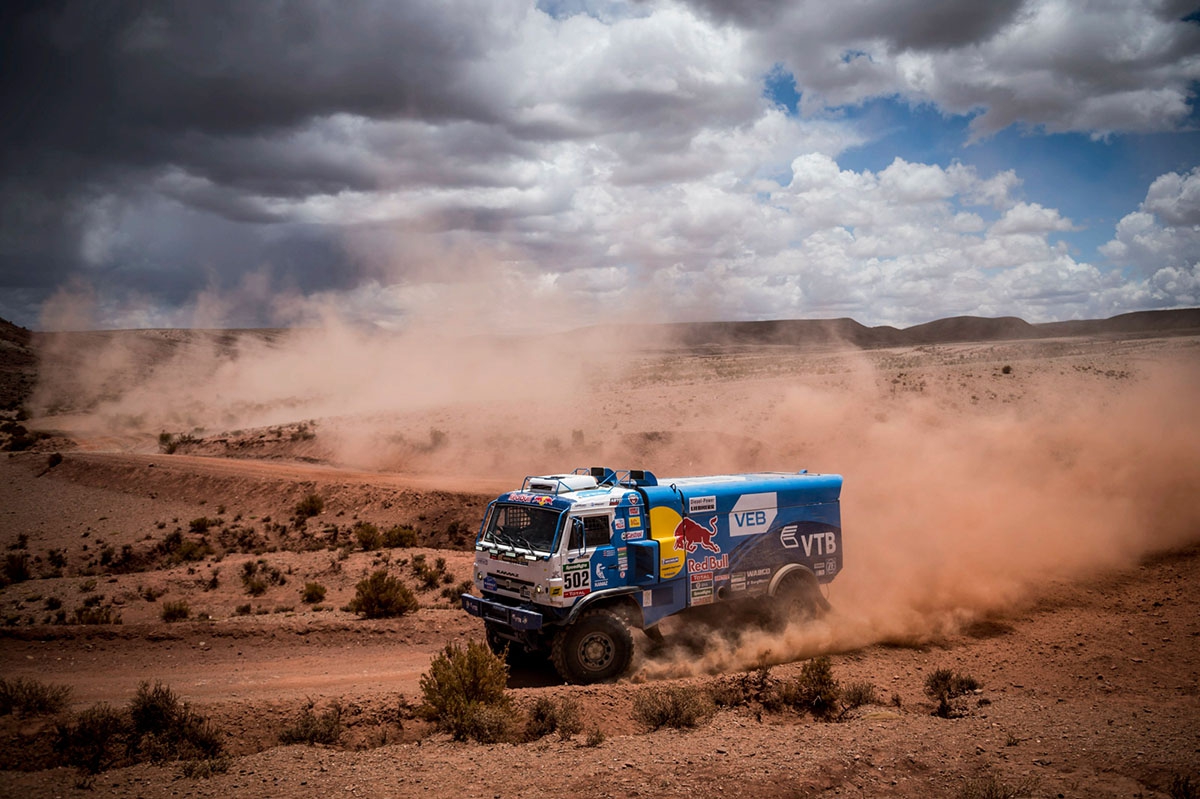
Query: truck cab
point(570, 563)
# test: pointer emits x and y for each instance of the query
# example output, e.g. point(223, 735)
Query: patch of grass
point(311, 728)
point(204, 769)
point(675, 706)
point(816, 690)
point(465, 691)
point(595, 736)
point(96, 615)
point(30, 697)
point(382, 596)
point(175, 611)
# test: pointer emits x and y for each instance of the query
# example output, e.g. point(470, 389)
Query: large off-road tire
point(797, 599)
point(597, 647)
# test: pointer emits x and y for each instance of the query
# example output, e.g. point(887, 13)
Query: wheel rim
point(596, 651)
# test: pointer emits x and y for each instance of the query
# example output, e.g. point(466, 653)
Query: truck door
point(591, 559)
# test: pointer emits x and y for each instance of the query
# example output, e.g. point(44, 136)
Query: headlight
point(479, 576)
point(540, 590)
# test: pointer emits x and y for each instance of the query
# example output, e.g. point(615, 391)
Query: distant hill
point(809, 332)
point(18, 364)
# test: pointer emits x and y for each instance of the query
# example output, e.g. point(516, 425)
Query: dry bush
point(595, 736)
point(92, 741)
point(992, 787)
point(858, 694)
point(547, 716)
point(308, 507)
point(400, 536)
point(175, 611)
point(368, 536)
point(310, 728)
point(460, 682)
point(944, 686)
point(815, 690)
point(312, 593)
point(163, 728)
point(675, 706)
point(30, 697)
point(382, 596)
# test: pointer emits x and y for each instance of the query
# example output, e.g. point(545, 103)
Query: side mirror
point(577, 541)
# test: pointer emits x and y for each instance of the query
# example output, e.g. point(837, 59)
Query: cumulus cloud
point(377, 153)
point(1161, 240)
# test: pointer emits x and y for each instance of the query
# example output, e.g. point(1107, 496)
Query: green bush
point(175, 611)
point(382, 596)
point(312, 593)
point(460, 681)
point(31, 697)
point(310, 728)
point(675, 706)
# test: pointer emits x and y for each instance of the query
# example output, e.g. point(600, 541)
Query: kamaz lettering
point(580, 568)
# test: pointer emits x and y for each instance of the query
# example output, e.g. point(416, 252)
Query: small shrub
point(309, 506)
point(675, 706)
point(858, 694)
point(16, 567)
point(368, 536)
point(400, 536)
point(92, 741)
point(487, 724)
point(175, 611)
point(459, 682)
point(595, 736)
point(1181, 787)
point(204, 769)
point(945, 683)
point(310, 728)
point(31, 697)
point(382, 596)
point(312, 593)
point(242, 610)
point(564, 717)
point(163, 728)
point(816, 689)
point(85, 614)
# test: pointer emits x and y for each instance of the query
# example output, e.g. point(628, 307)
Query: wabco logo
point(752, 514)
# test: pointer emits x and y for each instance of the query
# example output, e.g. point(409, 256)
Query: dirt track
point(1080, 625)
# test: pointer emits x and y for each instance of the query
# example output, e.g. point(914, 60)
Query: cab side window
point(595, 531)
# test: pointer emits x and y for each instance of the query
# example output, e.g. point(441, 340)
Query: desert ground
point(1025, 511)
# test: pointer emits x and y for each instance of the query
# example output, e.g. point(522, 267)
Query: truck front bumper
point(499, 613)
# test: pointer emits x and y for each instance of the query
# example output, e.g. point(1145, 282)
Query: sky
point(547, 165)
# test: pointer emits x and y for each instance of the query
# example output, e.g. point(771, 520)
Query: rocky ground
point(1023, 513)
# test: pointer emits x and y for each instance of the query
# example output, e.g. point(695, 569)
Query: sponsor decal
point(619, 524)
point(701, 589)
point(702, 504)
point(489, 583)
point(577, 579)
point(614, 500)
point(533, 499)
point(635, 521)
point(737, 582)
point(752, 513)
point(813, 544)
point(633, 499)
point(631, 535)
point(647, 598)
point(708, 564)
point(556, 590)
point(601, 579)
point(670, 561)
point(830, 566)
point(635, 511)
point(690, 534)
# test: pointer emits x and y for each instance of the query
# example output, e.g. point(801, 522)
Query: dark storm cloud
point(905, 24)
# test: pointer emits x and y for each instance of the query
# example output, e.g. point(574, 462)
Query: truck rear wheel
point(797, 599)
point(597, 647)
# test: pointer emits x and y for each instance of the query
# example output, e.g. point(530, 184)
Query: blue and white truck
point(571, 563)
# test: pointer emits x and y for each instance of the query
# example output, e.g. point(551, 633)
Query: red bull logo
point(690, 534)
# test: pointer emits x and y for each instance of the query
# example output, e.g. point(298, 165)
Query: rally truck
point(568, 565)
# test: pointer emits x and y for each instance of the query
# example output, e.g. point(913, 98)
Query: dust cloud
point(952, 512)
point(966, 487)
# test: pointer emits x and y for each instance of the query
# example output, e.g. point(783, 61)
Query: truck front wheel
point(597, 647)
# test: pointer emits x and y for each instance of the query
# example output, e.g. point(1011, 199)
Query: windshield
point(522, 527)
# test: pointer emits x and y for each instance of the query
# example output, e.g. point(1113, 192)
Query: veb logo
point(753, 513)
